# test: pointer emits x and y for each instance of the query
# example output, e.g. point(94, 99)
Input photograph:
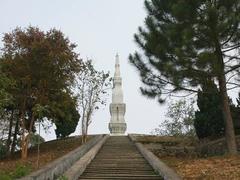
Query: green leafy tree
point(180, 119)
point(66, 116)
point(3, 149)
point(7, 124)
point(5, 97)
point(42, 65)
point(5, 84)
point(185, 42)
point(92, 88)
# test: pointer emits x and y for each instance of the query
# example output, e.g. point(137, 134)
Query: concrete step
point(119, 159)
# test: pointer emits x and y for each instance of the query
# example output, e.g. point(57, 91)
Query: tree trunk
point(24, 146)
point(229, 128)
point(86, 133)
point(10, 133)
point(15, 137)
point(87, 124)
point(83, 131)
point(25, 138)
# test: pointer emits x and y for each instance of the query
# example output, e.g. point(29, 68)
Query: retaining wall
point(59, 166)
point(159, 166)
point(217, 147)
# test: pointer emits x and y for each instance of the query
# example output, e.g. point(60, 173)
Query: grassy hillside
point(12, 168)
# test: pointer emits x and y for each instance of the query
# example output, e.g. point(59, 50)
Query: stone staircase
point(119, 159)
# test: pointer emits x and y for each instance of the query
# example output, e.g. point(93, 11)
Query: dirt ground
point(195, 168)
point(216, 168)
point(49, 151)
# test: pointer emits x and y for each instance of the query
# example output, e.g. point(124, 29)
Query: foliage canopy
point(185, 42)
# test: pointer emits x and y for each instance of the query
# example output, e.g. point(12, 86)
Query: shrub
point(4, 176)
point(21, 170)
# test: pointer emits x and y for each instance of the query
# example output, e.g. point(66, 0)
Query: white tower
point(117, 125)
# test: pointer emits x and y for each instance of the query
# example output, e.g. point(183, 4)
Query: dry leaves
point(49, 151)
point(216, 168)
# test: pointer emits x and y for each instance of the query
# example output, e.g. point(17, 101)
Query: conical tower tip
point(117, 59)
point(117, 66)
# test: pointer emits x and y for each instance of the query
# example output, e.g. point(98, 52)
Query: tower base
point(117, 128)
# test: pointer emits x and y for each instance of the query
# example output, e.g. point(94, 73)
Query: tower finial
point(117, 66)
point(117, 59)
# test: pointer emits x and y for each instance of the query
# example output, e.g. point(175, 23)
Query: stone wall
point(168, 146)
point(171, 146)
point(59, 166)
point(166, 150)
point(217, 147)
point(159, 166)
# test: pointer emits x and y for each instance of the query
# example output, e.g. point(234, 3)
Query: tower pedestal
point(117, 124)
point(117, 128)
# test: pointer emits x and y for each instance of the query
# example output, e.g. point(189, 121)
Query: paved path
point(119, 159)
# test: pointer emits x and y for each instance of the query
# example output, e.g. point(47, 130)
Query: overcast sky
point(100, 28)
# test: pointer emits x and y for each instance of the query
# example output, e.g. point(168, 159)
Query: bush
point(35, 139)
point(180, 119)
point(4, 176)
point(62, 178)
point(20, 171)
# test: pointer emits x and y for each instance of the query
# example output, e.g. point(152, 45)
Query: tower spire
point(117, 66)
point(117, 123)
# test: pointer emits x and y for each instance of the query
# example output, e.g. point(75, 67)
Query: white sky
point(101, 28)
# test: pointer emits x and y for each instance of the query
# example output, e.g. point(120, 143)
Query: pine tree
point(185, 42)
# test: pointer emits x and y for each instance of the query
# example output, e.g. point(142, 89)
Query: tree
point(5, 97)
point(236, 114)
point(92, 86)
point(42, 65)
point(3, 149)
point(5, 84)
point(209, 122)
point(3, 129)
point(66, 116)
point(180, 119)
point(8, 123)
point(185, 42)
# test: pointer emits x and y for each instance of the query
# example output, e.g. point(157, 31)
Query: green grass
point(20, 171)
point(62, 178)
